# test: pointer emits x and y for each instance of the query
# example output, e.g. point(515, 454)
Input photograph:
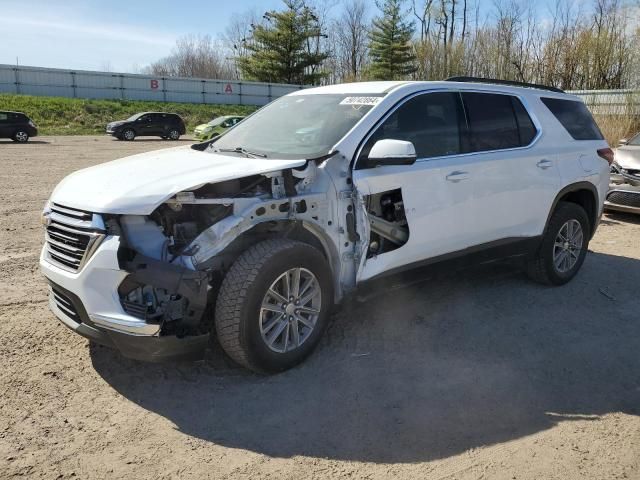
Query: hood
point(202, 126)
point(116, 123)
point(628, 157)
point(136, 185)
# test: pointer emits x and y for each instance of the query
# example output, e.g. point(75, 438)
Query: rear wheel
point(174, 134)
point(564, 246)
point(21, 136)
point(128, 135)
point(274, 304)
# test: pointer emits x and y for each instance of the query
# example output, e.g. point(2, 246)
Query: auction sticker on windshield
point(361, 101)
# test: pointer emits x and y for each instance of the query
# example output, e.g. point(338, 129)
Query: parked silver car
point(624, 189)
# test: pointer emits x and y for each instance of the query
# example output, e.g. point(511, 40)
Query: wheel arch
point(584, 194)
point(300, 230)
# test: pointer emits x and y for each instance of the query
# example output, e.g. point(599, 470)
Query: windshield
point(298, 126)
point(635, 140)
point(134, 117)
point(217, 121)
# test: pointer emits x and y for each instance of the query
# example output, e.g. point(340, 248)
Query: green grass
point(74, 116)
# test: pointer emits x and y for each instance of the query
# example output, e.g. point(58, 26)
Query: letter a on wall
point(228, 89)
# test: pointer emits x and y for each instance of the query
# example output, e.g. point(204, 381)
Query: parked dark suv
point(148, 124)
point(17, 126)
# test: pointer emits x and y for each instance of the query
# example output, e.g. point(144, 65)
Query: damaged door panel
point(388, 222)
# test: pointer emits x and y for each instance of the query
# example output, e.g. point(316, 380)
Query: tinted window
point(496, 122)
point(3, 117)
point(430, 121)
point(575, 118)
point(526, 127)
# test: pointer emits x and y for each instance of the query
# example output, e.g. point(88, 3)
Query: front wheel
point(274, 304)
point(564, 246)
point(174, 134)
point(128, 135)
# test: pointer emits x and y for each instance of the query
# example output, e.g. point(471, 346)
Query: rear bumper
point(623, 197)
point(87, 302)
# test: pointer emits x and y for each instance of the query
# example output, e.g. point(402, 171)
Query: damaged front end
point(177, 256)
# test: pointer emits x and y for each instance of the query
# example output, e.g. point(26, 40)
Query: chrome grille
point(72, 236)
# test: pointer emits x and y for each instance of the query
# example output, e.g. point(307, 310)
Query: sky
point(120, 35)
point(126, 35)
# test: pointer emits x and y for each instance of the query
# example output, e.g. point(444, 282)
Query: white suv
point(252, 237)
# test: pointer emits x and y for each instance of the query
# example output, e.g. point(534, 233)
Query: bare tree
point(195, 56)
point(350, 35)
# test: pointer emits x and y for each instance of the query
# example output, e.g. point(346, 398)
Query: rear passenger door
point(159, 124)
point(514, 183)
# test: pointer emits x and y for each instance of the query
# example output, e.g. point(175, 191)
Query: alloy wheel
point(568, 246)
point(290, 310)
point(22, 136)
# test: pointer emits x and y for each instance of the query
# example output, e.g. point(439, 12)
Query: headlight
point(32, 124)
point(45, 218)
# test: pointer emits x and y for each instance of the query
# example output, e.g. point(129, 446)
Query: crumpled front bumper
point(88, 303)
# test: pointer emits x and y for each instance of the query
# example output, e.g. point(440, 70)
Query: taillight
point(607, 154)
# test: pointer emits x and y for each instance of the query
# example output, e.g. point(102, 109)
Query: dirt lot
point(472, 374)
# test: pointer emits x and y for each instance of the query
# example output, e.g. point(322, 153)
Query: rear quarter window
point(574, 117)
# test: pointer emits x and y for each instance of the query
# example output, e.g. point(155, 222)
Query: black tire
point(237, 315)
point(164, 137)
point(20, 136)
point(174, 134)
point(541, 268)
point(128, 135)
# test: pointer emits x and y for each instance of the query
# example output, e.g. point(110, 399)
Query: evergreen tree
point(390, 47)
point(286, 48)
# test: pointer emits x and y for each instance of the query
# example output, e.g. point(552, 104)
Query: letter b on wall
point(154, 84)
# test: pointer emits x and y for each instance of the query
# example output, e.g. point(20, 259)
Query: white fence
point(123, 86)
point(611, 102)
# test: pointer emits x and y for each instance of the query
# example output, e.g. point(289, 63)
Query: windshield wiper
point(243, 151)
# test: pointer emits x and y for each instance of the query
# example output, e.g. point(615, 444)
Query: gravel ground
point(477, 373)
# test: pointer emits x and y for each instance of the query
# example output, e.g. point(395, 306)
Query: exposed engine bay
point(388, 222)
point(178, 254)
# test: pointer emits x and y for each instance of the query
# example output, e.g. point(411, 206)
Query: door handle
point(544, 164)
point(457, 176)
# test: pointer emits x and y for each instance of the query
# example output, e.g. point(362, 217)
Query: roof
point(355, 87)
point(378, 88)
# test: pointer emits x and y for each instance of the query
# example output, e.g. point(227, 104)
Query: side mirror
point(392, 152)
point(623, 141)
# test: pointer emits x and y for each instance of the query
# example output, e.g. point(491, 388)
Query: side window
point(493, 122)
point(4, 117)
point(575, 118)
point(526, 127)
point(430, 121)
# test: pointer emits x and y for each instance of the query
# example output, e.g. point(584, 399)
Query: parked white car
point(252, 237)
point(624, 189)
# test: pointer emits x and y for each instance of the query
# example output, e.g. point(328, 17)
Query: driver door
point(437, 190)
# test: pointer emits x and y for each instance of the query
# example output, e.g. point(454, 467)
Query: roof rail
point(504, 82)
